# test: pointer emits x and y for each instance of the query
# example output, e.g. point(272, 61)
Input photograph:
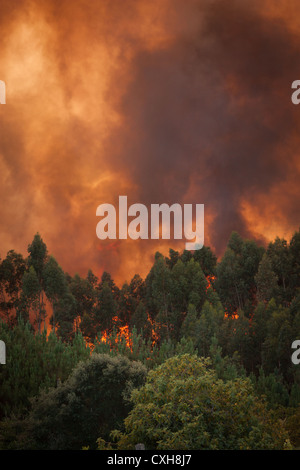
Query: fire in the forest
point(210, 281)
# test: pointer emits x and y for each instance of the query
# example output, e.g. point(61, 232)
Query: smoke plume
point(163, 101)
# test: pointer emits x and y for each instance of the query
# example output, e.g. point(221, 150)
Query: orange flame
point(123, 332)
point(234, 315)
point(210, 280)
point(154, 334)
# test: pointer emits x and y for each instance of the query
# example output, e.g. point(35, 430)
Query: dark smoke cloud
point(171, 101)
point(214, 107)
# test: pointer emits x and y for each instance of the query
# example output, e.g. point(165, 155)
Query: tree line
point(241, 312)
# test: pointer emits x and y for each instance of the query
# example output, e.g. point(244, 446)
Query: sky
point(165, 101)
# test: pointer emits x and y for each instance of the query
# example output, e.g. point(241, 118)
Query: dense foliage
point(242, 312)
point(93, 400)
point(185, 406)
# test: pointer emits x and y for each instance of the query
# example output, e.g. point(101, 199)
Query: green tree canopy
point(265, 279)
point(184, 406)
point(89, 404)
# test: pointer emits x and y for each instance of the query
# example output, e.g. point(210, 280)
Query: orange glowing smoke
point(155, 100)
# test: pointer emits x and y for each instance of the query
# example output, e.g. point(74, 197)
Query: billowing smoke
point(163, 101)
